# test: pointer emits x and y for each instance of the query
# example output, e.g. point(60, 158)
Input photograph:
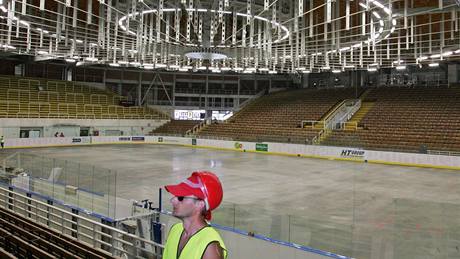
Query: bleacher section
point(176, 127)
point(40, 98)
point(277, 117)
point(407, 119)
point(20, 237)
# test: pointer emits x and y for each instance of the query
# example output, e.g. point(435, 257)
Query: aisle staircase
point(353, 123)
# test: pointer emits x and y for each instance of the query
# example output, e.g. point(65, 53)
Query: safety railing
point(98, 99)
point(117, 98)
point(57, 86)
point(100, 236)
point(68, 108)
point(196, 128)
point(28, 84)
point(349, 125)
point(75, 98)
point(18, 95)
point(343, 114)
point(259, 94)
point(316, 139)
point(309, 123)
point(336, 120)
point(48, 96)
point(14, 109)
point(5, 82)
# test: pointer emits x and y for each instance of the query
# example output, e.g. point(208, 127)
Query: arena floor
point(354, 209)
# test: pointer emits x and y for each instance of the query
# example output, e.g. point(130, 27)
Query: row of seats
point(277, 117)
point(176, 127)
point(13, 109)
point(407, 119)
point(53, 96)
point(40, 98)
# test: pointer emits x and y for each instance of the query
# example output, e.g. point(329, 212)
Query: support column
point(270, 85)
point(68, 73)
point(306, 80)
point(209, 115)
point(173, 94)
point(353, 82)
point(155, 93)
point(139, 90)
point(237, 101)
point(120, 89)
point(361, 78)
point(104, 78)
point(452, 74)
point(19, 70)
point(206, 98)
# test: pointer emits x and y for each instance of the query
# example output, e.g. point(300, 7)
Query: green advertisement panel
point(261, 147)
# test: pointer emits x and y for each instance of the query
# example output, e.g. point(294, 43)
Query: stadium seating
point(407, 119)
point(177, 127)
point(40, 98)
point(278, 116)
point(21, 237)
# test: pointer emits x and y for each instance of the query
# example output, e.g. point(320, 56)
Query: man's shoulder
point(176, 227)
point(214, 250)
point(212, 229)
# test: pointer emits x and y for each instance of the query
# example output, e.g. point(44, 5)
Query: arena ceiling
point(244, 36)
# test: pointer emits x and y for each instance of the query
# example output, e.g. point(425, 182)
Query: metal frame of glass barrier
point(96, 234)
point(92, 189)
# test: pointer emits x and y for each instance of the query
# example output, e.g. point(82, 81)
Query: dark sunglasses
point(181, 198)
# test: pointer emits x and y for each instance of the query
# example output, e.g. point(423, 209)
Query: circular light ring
point(377, 37)
point(274, 23)
point(205, 55)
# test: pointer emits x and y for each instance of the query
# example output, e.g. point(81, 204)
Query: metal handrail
point(309, 123)
point(331, 121)
point(196, 128)
point(99, 98)
point(15, 202)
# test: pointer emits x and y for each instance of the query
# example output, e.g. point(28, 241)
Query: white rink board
point(342, 153)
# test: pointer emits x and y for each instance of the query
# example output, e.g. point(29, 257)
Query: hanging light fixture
point(224, 36)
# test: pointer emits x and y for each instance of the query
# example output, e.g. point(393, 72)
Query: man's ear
point(202, 205)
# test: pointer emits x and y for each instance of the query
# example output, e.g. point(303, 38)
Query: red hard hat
point(204, 185)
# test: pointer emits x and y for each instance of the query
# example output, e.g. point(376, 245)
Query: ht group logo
point(353, 153)
point(238, 145)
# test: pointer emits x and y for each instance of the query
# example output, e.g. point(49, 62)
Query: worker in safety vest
point(193, 201)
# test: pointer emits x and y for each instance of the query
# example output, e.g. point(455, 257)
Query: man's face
point(185, 206)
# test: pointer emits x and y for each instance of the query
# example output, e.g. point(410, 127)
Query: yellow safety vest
point(195, 246)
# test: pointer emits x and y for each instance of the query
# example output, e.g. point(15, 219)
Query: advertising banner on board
point(261, 147)
point(137, 139)
point(353, 153)
point(81, 140)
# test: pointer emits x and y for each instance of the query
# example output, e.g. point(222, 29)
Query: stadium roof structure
point(247, 36)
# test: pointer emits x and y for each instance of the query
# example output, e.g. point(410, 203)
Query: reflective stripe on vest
point(195, 246)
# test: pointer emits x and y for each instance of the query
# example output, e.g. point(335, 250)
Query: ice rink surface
point(355, 209)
